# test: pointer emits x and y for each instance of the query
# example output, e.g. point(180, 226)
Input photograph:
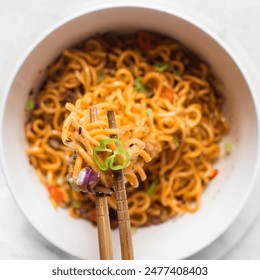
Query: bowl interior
point(174, 239)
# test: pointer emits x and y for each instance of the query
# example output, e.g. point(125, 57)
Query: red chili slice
point(152, 83)
point(147, 41)
point(214, 174)
point(167, 94)
point(93, 216)
point(150, 69)
point(55, 194)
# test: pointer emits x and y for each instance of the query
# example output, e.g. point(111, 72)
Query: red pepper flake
point(152, 83)
point(93, 216)
point(167, 94)
point(214, 174)
point(150, 69)
point(55, 194)
point(147, 41)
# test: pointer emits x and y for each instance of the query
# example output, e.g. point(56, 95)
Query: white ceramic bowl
point(224, 197)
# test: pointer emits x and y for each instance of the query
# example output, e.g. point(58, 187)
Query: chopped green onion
point(152, 186)
point(219, 86)
point(176, 72)
point(161, 67)
point(60, 180)
point(100, 76)
point(228, 148)
point(176, 142)
point(148, 112)
point(29, 106)
point(138, 85)
point(133, 229)
point(76, 204)
point(70, 193)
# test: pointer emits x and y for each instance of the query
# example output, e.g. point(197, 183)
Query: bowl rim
point(167, 8)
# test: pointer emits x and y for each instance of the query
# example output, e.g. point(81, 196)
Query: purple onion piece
point(87, 179)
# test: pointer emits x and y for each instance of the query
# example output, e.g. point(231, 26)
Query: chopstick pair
point(103, 222)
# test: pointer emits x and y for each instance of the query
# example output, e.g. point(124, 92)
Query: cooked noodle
point(168, 111)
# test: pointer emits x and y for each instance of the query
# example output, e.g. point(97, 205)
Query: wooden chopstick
point(122, 204)
point(103, 222)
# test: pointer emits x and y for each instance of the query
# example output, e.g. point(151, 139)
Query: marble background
point(21, 21)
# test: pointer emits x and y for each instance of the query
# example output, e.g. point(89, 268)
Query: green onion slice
point(161, 67)
point(176, 72)
point(77, 204)
point(152, 186)
point(133, 229)
point(138, 85)
point(148, 111)
point(228, 148)
point(29, 106)
point(176, 142)
point(100, 76)
point(219, 86)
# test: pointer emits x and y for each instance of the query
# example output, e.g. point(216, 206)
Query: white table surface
point(21, 21)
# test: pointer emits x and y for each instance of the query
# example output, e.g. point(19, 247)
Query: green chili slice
point(109, 162)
